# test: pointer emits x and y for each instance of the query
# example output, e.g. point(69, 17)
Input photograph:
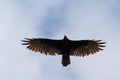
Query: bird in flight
point(64, 47)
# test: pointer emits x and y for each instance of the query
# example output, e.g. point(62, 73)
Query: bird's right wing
point(46, 46)
point(86, 47)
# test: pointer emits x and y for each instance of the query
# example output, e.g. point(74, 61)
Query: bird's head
point(65, 37)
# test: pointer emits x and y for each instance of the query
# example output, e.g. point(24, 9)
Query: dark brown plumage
point(64, 47)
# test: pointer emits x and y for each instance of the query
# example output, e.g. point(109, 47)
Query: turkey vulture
point(64, 47)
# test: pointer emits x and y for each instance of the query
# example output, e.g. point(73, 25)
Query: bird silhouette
point(64, 47)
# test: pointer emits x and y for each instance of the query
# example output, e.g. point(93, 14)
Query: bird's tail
point(65, 60)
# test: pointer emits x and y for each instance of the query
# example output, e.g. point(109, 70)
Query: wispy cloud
point(78, 19)
point(15, 25)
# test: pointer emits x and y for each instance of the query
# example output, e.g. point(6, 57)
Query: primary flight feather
point(64, 47)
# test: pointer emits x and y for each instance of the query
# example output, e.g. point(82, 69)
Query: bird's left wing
point(86, 47)
point(46, 46)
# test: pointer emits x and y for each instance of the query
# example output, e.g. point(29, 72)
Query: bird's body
point(64, 47)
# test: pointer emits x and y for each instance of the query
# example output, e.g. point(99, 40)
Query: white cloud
point(17, 23)
point(82, 20)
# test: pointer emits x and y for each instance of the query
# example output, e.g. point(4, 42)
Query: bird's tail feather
point(65, 60)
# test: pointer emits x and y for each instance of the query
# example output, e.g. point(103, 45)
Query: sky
point(78, 19)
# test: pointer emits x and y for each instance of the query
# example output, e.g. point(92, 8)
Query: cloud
point(78, 19)
point(14, 27)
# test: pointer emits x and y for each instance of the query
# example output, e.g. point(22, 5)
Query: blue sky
point(78, 19)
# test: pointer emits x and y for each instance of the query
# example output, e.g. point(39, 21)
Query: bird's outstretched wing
point(46, 46)
point(86, 47)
